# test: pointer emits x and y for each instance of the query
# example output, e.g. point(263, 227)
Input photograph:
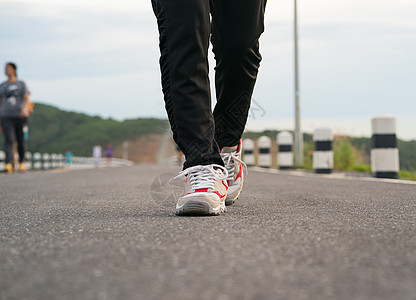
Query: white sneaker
point(232, 160)
point(206, 190)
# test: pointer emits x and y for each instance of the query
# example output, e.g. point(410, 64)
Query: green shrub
point(345, 154)
point(308, 155)
point(362, 168)
point(408, 175)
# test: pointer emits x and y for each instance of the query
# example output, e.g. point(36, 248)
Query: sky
point(357, 61)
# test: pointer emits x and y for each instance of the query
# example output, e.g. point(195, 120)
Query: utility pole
point(298, 133)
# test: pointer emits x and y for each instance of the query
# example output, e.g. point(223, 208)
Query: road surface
point(111, 233)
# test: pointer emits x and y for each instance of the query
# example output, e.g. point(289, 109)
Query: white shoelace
point(201, 177)
point(229, 159)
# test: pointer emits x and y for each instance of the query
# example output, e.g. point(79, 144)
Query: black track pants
point(13, 131)
point(184, 31)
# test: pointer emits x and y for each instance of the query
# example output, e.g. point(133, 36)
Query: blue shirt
point(68, 156)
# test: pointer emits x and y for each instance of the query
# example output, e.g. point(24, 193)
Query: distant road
point(111, 233)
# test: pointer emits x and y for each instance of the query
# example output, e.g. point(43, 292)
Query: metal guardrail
point(79, 162)
point(45, 161)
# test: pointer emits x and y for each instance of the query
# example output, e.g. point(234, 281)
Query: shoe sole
point(198, 208)
point(230, 202)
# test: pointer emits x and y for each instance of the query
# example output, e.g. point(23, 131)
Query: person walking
point(109, 154)
point(68, 158)
point(14, 110)
point(210, 140)
point(96, 154)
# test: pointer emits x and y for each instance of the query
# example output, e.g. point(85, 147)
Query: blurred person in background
point(15, 108)
point(109, 154)
point(96, 154)
point(68, 158)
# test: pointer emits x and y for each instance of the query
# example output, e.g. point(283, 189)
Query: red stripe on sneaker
point(198, 191)
point(239, 174)
point(218, 193)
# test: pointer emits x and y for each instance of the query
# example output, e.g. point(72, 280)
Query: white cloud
point(116, 96)
point(356, 56)
point(383, 12)
point(53, 7)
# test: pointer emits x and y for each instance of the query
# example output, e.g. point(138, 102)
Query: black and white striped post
point(2, 160)
point(384, 151)
point(37, 161)
point(54, 161)
point(285, 153)
point(248, 152)
point(45, 161)
point(28, 160)
point(323, 156)
point(60, 159)
point(264, 158)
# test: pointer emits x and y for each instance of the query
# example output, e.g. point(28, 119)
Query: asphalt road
point(112, 234)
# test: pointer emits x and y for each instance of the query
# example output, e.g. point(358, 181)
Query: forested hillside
point(54, 130)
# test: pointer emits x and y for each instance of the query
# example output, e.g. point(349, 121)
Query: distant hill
point(55, 130)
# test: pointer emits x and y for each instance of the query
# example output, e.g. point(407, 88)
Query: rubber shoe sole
point(230, 202)
point(199, 208)
point(231, 197)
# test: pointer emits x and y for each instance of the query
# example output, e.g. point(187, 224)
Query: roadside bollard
point(45, 161)
point(60, 159)
point(2, 160)
point(248, 150)
point(323, 156)
point(264, 158)
point(28, 160)
point(384, 152)
point(285, 154)
point(54, 161)
point(37, 161)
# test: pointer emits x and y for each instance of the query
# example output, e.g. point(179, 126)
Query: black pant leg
point(9, 136)
point(18, 127)
point(184, 30)
point(236, 29)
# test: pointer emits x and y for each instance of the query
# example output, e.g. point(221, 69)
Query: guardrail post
point(248, 152)
point(323, 156)
point(28, 160)
point(45, 161)
point(384, 152)
point(60, 159)
point(54, 162)
point(37, 161)
point(285, 153)
point(264, 158)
